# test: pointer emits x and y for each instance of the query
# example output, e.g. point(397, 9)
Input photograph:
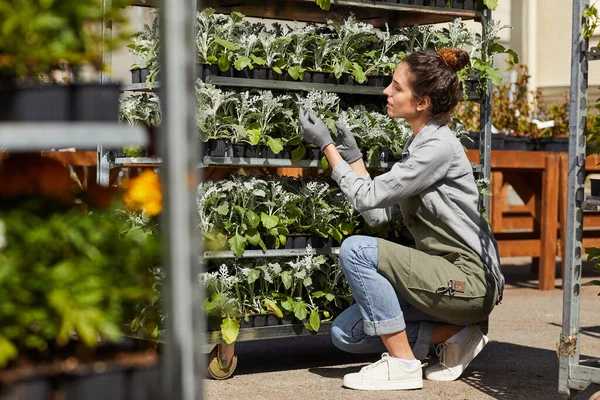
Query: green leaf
point(253, 237)
point(324, 162)
point(594, 282)
point(514, 55)
point(286, 279)
point(276, 145)
point(242, 62)
point(272, 306)
point(237, 16)
point(346, 228)
point(253, 219)
point(227, 44)
point(296, 72)
point(491, 4)
point(298, 154)
point(315, 321)
point(288, 304)
point(224, 63)
point(324, 4)
point(277, 70)
point(223, 209)
point(257, 60)
point(8, 351)
point(253, 275)
point(300, 310)
point(358, 73)
point(214, 306)
point(253, 136)
point(269, 221)
point(337, 235)
point(237, 244)
point(230, 330)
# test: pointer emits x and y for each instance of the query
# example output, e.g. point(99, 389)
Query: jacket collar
point(424, 134)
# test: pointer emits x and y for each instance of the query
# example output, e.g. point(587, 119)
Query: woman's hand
point(346, 144)
point(314, 130)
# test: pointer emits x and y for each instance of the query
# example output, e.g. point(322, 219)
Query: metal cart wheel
point(222, 361)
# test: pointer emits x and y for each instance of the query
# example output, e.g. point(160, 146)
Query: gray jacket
point(434, 165)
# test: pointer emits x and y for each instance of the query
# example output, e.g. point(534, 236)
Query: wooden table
point(535, 177)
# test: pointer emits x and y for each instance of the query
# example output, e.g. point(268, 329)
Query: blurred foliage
point(38, 35)
point(63, 273)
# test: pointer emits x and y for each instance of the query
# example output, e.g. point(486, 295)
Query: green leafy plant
point(38, 35)
point(146, 46)
point(63, 272)
point(594, 255)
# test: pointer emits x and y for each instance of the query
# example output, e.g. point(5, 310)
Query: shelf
point(140, 87)
point(376, 13)
point(136, 162)
point(209, 255)
point(21, 136)
point(271, 162)
point(268, 84)
point(208, 161)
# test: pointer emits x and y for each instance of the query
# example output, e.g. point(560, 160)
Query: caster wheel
point(216, 369)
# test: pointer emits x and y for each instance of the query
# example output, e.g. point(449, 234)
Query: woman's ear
point(424, 103)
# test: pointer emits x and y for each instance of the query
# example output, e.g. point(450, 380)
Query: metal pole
point(103, 166)
point(568, 350)
point(179, 150)
point(485, 122)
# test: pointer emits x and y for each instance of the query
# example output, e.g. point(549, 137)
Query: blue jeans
point(378, 309)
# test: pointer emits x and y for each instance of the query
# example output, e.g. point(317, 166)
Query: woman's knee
point(353, 250)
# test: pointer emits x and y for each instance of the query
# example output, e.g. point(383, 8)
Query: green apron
point(442, 277)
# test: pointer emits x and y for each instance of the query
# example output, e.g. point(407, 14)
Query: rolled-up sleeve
point(426, 164)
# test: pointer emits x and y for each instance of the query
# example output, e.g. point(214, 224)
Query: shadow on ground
point(503, 371)
point(526, 276)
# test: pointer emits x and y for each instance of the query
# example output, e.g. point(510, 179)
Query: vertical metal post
point(103, 166)
point(179, 150)
point(485, 122)
point(569, 339)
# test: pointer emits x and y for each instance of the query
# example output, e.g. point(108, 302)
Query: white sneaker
point(455, 357)
point(385, 374)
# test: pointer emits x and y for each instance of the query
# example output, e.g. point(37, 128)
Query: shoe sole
point(472, 353)
point(384, 385)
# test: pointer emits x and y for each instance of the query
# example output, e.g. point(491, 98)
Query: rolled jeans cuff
point(421, 346)
point(386, 327)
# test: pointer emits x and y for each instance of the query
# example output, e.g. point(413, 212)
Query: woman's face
point(401, 102)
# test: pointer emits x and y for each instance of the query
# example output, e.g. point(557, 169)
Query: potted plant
point(69, 279)
point(42, 47)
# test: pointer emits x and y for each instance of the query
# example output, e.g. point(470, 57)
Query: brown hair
point(433, 74)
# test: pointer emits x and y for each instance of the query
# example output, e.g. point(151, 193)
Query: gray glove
point(315, 131)
point(346, 144)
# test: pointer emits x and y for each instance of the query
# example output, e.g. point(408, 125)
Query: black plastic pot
point(258, 320)
point(306, 76)
point(473, 143)
point(253, 151)
point(272, 320)
point(285, 154)
point(287, 319)
point(469, 5)
point(217, 147)
point(229, 73)
point(35, 103)
point(205, 70)
point(85, 102)
point(243, 73)
point(238, 150)
point(274, 76)
point(259, 73)
point(33, 388)
point(375, 80)
point(418, 2)
point(346, 79)
point(136, 75)
point(518, 143)
point(318, 77)
point(298, 241)
point(268, 153)
point(312, 153)
point(144, 74)
point(95, 102)
point(497, 141)
point(556, 144)
point(595, 184)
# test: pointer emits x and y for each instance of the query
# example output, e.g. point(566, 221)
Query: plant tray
point(77, 102)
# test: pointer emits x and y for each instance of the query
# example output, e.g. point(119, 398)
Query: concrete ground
point(519, 362)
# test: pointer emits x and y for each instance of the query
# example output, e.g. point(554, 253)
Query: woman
point(407, 299)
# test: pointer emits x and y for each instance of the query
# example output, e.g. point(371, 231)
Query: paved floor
point(520, 361)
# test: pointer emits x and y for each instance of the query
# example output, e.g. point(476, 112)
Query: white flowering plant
point(145, 46)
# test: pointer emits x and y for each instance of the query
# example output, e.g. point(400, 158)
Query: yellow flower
point(144, 193)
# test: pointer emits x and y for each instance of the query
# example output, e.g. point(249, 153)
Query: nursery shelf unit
point(377, 13)
point(573, 375)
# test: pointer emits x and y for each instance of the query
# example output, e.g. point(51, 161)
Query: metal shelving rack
point(376, 13)
point(573, 376)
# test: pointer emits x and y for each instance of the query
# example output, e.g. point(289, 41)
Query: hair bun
point(453, 58)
